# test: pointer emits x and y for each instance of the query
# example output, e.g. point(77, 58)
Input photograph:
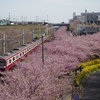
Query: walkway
point(91, 87)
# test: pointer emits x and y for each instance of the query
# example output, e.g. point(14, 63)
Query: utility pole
point(9, 16)
point(37, 19)
point(33, 34)
point(3, 44)
point(13, 18)
point(23, 37)
point(42, 51)
point(47, 19)
point(22, 19)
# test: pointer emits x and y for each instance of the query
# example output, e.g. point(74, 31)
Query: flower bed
point(89, 63)
point(88, 67)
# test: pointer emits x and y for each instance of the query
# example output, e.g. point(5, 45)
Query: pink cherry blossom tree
point(32, 80)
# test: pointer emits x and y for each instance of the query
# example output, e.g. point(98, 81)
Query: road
point(91, 87)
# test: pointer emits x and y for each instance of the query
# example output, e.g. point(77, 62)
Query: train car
point(10, 59)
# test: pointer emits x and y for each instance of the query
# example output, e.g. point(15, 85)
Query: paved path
point(91, 87)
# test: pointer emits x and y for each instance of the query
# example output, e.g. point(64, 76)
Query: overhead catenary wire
point(19, 39)
point(2, 37)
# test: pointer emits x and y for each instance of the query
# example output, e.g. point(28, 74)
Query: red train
point(7, 61)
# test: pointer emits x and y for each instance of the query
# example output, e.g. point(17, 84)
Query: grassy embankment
point(19, 28)
point(14, 35)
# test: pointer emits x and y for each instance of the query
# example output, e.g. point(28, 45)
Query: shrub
point(86, 71)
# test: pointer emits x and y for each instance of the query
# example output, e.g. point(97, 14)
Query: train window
point(2, 63)
point(10, 61)
point(20, 54)
point(17, 56)
point(13, 58)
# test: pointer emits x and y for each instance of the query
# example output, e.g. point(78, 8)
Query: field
point(10, 30)
point(13, 35)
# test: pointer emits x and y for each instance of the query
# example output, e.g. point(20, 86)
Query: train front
point(2, 64)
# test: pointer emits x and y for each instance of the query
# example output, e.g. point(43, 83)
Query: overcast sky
point(51, 10)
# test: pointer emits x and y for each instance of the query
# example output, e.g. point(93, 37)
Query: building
point(93, 17)
point(88, 17)
point(4, 22)
point(81, 18)
point(74, 14)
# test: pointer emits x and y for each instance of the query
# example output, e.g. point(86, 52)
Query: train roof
point(15, 51)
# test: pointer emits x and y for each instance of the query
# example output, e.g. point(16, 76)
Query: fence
point(10, 41)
